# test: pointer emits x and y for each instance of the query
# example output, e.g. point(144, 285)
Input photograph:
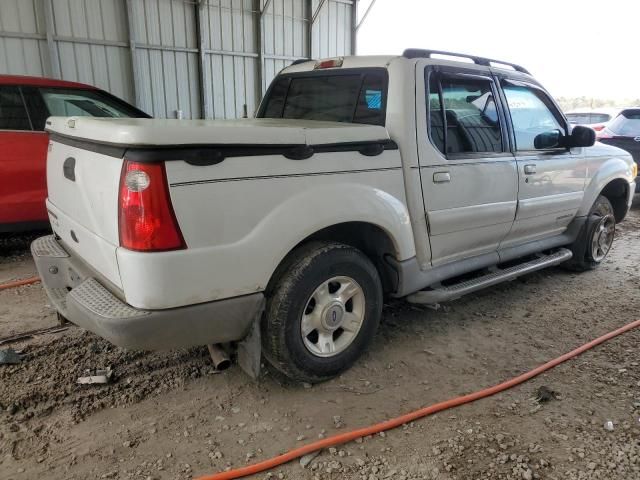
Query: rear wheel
point(322, 311)
point(596, 238)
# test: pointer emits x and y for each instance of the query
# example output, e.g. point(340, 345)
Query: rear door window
point(357, 97)
point(67, 102)
point(35, 105)
point(13, 112)
point(463, 117)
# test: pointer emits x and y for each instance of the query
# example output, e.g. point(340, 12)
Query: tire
point(595, 239)
point(334, 292)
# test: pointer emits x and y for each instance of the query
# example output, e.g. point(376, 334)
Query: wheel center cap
point(332, 317)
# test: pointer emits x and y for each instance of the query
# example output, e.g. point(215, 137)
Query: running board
point(445, 294)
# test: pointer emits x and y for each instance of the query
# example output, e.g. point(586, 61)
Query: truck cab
point(411, 176)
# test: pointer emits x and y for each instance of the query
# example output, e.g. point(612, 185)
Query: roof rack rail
point(420, 53)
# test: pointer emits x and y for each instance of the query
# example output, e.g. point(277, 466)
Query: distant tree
point(572, 103)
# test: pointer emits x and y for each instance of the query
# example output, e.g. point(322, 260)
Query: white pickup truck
point(361, 177)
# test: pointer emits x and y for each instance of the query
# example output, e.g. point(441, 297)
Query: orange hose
point(409, 417)
point(19, 283)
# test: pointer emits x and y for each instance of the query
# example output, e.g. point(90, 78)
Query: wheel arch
point(374, 241)
point(617, 192)
point(367, 218)
point(611, 179)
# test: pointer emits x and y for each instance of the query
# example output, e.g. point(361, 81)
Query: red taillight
point(146, 218)
point(597, 128)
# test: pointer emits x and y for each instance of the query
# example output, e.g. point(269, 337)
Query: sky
point(573, 47)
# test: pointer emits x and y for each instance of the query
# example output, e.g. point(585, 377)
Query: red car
point(25, 104)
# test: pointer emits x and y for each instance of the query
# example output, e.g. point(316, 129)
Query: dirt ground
point(172, 416)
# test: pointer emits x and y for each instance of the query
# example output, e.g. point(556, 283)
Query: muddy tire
point(323, 310)
point(596, 237)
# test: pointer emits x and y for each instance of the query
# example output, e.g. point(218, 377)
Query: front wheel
point(322, 312)
point(596, 239)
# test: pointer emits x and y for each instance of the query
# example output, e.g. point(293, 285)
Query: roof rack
point(420, 53)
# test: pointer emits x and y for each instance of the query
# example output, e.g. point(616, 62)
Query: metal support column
point(260, 32)
point(354, 27)
point(309, 17)
point(51, 44)
point(132, 48)
point(205, 104)
point(256, 15)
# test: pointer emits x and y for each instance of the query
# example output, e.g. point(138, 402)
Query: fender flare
point(328, 205)
point(613, 169)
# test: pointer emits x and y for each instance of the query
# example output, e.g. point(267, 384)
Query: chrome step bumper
point(452, 292)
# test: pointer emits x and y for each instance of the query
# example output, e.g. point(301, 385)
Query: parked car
point(596, 118)
point(25, 104)
point(406, 176)
point(624, 132)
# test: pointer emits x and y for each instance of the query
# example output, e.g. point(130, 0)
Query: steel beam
point(25, 36)
point(309, 39)
point(132, 48)
point(287, 58)
point(359, 24)
point(266, 7)
point(54, 61)
point(91, 41)
point(205, 104)
point(232, 53)
point(354, 26)
point(260, 38)
point(317, 12)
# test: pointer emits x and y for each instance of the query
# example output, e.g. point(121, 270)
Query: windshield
point(353, 96)
point(626, 124)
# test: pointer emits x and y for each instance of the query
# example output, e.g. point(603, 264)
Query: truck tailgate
point(83, 204)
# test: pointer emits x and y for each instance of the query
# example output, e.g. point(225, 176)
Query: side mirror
point(550, 139)
point(581, 136)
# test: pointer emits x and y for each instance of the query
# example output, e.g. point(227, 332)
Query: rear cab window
point(350, 95)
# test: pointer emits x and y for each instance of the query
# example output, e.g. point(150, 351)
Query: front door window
point(532, 113)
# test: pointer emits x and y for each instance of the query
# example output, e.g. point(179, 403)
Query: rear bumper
point(85, 301)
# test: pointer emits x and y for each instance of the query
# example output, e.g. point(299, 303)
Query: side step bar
point(445, 294)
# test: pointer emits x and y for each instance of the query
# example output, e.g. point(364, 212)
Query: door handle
point(441, 177)
point(530, 169)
